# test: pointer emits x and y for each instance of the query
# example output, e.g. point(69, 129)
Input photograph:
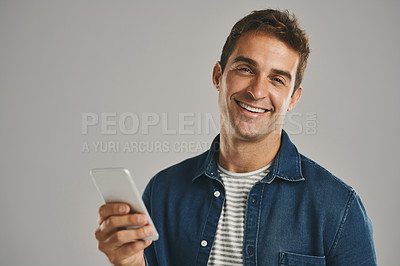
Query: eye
point(278, 80)
point(245, 69)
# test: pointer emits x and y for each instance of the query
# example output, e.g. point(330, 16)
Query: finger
point(123, 237)
point(115, 223)
point(110, 209)
point(127, 251)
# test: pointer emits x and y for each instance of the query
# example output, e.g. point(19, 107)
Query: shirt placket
point(251, 228)
point(207, 238)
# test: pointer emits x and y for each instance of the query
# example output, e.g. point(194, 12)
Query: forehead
point(264, 49)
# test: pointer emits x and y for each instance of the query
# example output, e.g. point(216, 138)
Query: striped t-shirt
point(228, 243)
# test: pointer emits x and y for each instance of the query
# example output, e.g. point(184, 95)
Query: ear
point(216, 75)
point(295, 98)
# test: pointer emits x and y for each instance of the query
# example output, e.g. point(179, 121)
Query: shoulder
point(175, 185)
point(180, 177)
point(329, 194)
point(346, 220)
point(189, 166)
point(315, 174)
point(182, 172)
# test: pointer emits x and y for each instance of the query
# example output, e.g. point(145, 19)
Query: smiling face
point(255, 90)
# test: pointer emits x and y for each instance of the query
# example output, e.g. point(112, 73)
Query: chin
point(249, 134)
point(252, 133)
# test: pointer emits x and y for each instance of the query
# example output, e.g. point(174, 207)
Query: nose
point(258, 89)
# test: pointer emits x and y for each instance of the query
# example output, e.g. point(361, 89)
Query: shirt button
point(217, 194)
point(249, 250)
point(253, 200)
point(203, 243)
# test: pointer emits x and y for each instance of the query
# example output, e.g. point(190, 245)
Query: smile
point(250, 108)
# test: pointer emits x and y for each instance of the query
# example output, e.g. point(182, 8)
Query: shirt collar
point(286, 165)
point(287, 162)
point(209, 167)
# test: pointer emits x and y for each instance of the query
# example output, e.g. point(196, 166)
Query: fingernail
point(122, 208)
point(140, 219)
point(147, 230)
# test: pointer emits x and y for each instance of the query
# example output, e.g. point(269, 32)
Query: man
point(251, 199)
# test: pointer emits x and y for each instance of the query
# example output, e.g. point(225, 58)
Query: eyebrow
point(245, 59)
point(282, 72)
point(254, 63)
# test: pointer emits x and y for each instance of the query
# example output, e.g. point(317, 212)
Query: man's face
point(255, 90)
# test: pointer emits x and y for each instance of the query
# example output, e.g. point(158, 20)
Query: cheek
point(227, 89)
point(277, 98)
point(222, 99)
point(280, 101)
point(234, 84)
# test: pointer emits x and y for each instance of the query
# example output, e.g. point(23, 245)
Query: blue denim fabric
point(299, 214)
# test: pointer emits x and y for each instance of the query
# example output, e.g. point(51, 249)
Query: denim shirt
point(299, 214)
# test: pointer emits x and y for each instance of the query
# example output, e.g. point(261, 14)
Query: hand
point(122, 246)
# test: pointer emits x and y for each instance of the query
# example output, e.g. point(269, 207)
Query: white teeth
point(251, 109)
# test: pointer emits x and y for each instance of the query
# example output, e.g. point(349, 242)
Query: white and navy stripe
point(228, 243)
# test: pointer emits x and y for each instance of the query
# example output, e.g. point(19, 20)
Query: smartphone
point(116, 185)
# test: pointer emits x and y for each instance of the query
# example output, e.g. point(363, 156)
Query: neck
point(240, 155)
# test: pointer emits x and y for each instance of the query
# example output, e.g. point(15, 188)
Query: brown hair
point(280, 24)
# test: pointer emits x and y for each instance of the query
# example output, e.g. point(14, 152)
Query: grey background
point(60, 59)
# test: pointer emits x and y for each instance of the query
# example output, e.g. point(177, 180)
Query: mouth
point(251, 108)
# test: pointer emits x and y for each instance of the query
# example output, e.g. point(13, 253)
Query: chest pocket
point(292, 259)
